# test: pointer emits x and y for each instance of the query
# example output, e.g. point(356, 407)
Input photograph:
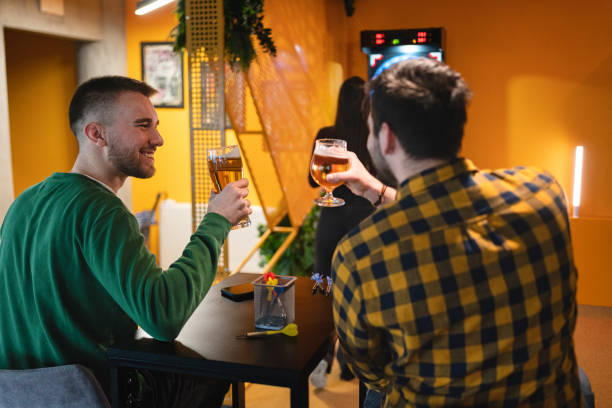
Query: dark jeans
point(155, 389)
point(585, 388)
point(373, 399)
point(345, 373)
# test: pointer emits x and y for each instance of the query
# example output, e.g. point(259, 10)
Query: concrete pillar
point(99, 25)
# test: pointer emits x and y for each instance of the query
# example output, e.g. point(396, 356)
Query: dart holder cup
point(274, 304)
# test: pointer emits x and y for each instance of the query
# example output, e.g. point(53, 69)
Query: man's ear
point(387, 139)
point(96, 133)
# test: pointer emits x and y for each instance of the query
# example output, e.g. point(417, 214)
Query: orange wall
point(591, 242)
point(541, 73)
point(41, 76)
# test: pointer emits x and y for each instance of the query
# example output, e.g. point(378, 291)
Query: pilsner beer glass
point(224, 167)
point(329, 156)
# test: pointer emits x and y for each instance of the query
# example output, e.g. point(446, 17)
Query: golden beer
point(329, 156)
point(323, 165)
point(224, 167)
point(224, 171)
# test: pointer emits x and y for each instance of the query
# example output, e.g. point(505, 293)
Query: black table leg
point(237, 394)
point(299, 394)
point(362, 393)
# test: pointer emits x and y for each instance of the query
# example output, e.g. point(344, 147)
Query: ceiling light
point(146, 6)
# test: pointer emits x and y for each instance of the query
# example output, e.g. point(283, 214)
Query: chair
point(66, 386)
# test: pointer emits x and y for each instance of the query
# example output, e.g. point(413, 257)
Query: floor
point(337, 393)
point(593, 338)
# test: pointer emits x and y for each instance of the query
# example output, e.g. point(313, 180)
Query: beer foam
point(333, 151)
point(233, 154)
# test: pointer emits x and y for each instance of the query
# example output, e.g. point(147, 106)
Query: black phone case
point(236, 297)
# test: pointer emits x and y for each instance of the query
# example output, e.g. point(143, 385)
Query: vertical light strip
point(577, 179)
point(144, 7)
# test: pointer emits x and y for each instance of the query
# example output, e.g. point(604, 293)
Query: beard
point(128, 162)
point(383, 171)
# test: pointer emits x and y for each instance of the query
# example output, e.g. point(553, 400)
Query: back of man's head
point(424, 102)
point(94, 99)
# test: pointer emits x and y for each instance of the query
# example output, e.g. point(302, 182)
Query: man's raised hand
point(231, 202)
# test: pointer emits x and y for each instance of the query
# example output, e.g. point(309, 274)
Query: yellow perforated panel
point(292, 94)
point(206, 108)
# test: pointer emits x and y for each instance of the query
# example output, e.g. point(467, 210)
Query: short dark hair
point(99, 94)
point(424, 102)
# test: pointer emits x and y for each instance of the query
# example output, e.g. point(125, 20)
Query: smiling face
point(132, 135)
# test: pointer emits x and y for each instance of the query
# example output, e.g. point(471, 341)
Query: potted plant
point(298, 259)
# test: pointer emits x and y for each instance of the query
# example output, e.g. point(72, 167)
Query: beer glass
point(224, 167)
point(329, 156)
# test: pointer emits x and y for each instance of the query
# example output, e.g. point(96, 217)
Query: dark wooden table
point(207, 345)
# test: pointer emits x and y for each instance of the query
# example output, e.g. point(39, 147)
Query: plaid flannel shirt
point(462, 292)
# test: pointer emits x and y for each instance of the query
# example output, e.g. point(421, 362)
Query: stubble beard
point(383, 171)
point(128, 163)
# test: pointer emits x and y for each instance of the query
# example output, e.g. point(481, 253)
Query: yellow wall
point(172, 160)
point(41, 76)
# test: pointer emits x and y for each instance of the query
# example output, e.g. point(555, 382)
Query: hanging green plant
point(178, 33)
point(243, 19)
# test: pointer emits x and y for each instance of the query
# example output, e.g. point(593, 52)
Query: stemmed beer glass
point(224, 167)
point(329, 156)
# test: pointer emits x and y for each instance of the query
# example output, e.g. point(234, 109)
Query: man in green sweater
point(75, 275)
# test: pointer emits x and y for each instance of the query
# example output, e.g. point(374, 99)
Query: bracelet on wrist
point(381, 195)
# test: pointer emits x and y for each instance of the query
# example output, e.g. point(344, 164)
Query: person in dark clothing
point(335, 222)
point(350, 125)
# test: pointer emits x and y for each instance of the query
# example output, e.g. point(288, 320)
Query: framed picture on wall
point(162, 68)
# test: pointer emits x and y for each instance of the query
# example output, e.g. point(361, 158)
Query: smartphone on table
point(238, 293)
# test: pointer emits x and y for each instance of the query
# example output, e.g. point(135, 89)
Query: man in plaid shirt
point(460, 290)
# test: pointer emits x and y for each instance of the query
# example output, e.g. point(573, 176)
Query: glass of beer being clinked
point(329, 156)
point(224, 167)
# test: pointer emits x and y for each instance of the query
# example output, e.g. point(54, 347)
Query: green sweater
point(76, 277)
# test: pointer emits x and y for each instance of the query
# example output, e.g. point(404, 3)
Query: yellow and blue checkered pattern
point(462, 292)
